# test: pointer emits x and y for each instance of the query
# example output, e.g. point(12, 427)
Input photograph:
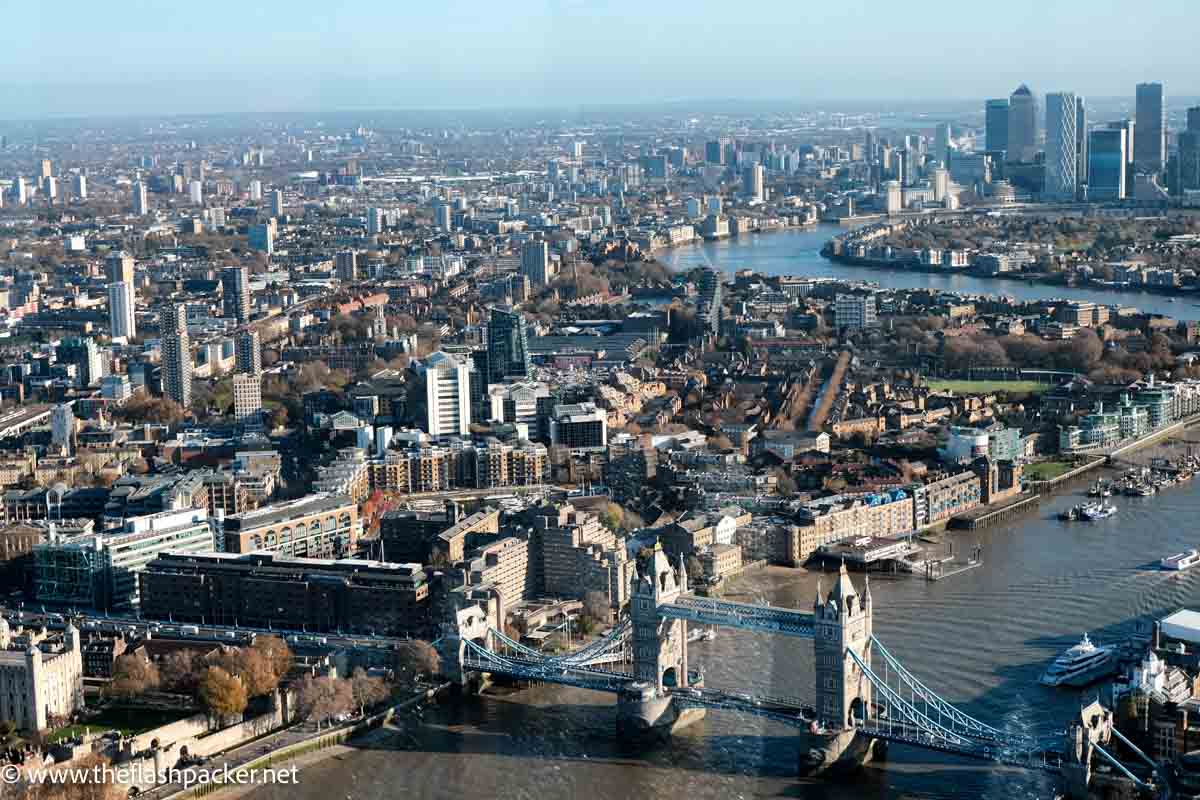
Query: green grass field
point(1047, 470)
point(987, 387)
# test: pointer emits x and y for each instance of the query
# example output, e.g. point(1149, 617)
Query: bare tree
point(368, 690)
point(416, 658)
point(132, 676)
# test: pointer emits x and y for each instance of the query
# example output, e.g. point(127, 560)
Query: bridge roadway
point(768, 619)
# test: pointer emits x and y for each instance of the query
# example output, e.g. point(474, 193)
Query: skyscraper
point(441, 213)
point(1150, 148)
point(447, 394)
point(277, 203)
point(1129, 126)
point(256, 190)
point(196, 192)
point(996, 125)
point(141, 204)
point(122, 326)
point(235, 293)
point(247, 353)
point(50, 188)
point(1106, 164)
point(941, 143)
point(176, 354)
point(1081, 142)
point(374, 220)
point(1061, 157)
point(262, 238)
point(19, 193)
point(47, 169)
point(79, 187)
point(120, 267)
point(752, 182)
point(507, 345)
point(535, 262)
point(1022, 125)
point(1189, 152)
point(709, 307)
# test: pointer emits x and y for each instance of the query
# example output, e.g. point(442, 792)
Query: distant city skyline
point(142, 57)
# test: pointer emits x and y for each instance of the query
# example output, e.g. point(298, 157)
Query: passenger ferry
point(1181, 561)
point(1083, 664)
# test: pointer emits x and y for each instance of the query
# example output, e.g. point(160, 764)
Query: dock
point(992, 515)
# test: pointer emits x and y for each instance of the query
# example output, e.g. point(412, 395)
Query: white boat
point(1082, 664)
point(1181, 561)
point(1099, 511)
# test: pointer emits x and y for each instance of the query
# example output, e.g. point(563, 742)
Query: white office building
point(447, 394)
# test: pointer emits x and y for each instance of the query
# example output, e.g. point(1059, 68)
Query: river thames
point(980, 638)
point(798, 252)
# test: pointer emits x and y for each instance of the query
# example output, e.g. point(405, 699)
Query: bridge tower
point(841, 623)
point(647, 709)
point(659, 645)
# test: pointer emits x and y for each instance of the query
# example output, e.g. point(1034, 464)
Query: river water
point(798, 252)
point(980, 638)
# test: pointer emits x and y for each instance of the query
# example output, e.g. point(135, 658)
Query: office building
point(1022, 125)
point(535, 263)
point(1081, 144)
point(41, 676)
point(247, 399)
point(62, 427)
point(100, 570)
point(262, 238)
point(141, 204)
point(271, 590)
point(277, 203)
point(116, 388)
point(941, 142)
point(1150, 147)
point(1189, 152)
point(196, 192)
point(1061, 145)
point(854, 311)
point(235, 293)
point(345, 265)
point(247, 353)
point(314, 526)
point(893, 197)
point(579, 426)
point(79, 187)
point(1107, 158)
point(47, 169)
point(256, 191)
point(447, 394)
point(996, 125)
point(752, 182)
point(374, 221)
point(50, 188)
point(176, 354)
point(442, 217)
point(507, 345)
point(121, 320)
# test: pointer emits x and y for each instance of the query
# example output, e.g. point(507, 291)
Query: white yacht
point(1181, 561)
point(1082, 664)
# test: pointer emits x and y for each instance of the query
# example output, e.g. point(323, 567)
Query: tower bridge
point(865, 698)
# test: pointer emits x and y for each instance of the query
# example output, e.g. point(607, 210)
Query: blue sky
point(131, 56)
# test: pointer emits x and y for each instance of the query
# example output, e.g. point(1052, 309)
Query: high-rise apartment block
point(247, 399)
point(235, 293)
point(122, 325)
point(141, 203)
point(247, 353)
point(345, 265)
point(176, 354)
point(535, 262)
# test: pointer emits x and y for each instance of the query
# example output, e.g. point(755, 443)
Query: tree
point(324, 698)
point(416, 658)
point(276, 652)
point(596, 606)
point(694, 568)
point(179, 672)
point(256, 672)
point(368, 690)
point(221, 693)
point(132, 676)
point(612, 517)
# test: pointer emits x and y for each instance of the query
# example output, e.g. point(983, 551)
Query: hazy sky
point(136, 56)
